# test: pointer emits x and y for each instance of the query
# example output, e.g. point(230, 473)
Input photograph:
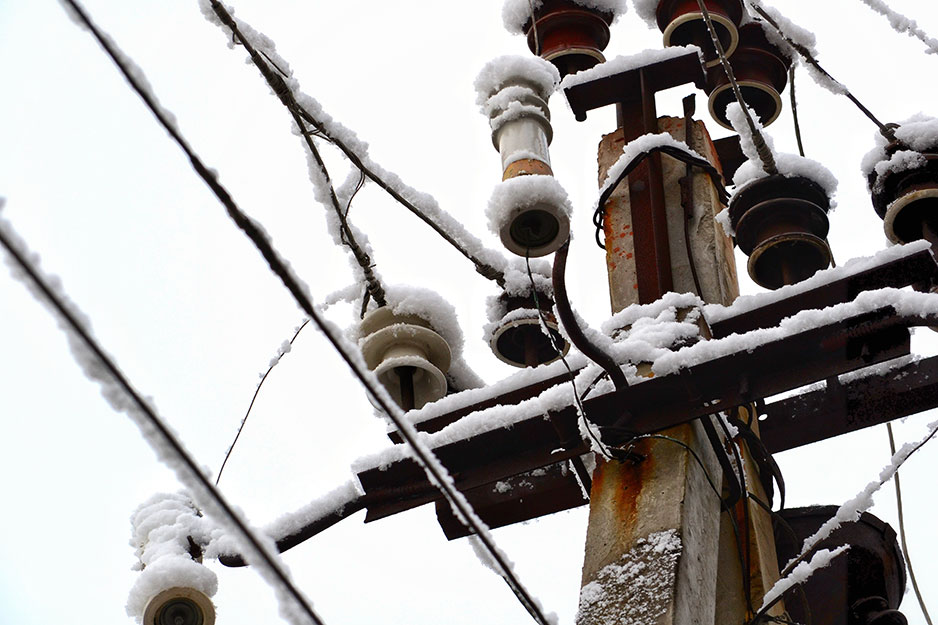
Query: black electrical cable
point(244, 420)
point(169, 442)
point(435, 471)
point(794, 108)
point(599, 214)
point(581, 411)
point(483, 268)
point(905, 547)
point(747, 521)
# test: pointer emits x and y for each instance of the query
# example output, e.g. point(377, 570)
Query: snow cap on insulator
point(531, 215)
point(902, 176)
point(519, 315)
point(571, 34)
point(410, 344)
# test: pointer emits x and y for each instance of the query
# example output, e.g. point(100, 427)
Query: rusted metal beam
point(915, 268)
point(849, 406)
point(655, 404)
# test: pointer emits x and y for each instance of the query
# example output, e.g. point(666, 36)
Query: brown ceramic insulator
point(781, 224)
point(522, 342)
point(864, 586)
point(682, 23)
point(907, 201)
point(569, 35)
point(761, 71)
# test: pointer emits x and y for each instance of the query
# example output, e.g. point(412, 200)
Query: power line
point(436, 472)
point(903, 25)
point(156, 432)
point(758, 141)
point(362, 161)
point(885, 130)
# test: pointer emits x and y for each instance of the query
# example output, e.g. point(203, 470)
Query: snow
point(524, 192)
point(645, 9)
point(905, 302)
point(919, 133)
point(509, 70)
point(648, 570)
point(161, 528)
point(123, 398)
point(851, 510)
point(517, 284)
point(516, 13)
point(902, 24)
point(745, 303)
point(290, 523)
point(800, 37)
point(639, 146)
point(789, 165)
point(515, 110)
point(348, 141)
point(503, 98)
point(627, 63)
point(801, 573)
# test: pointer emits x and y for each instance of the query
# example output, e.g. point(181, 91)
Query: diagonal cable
point(436, 472)
point(765, 153)
point(805, 54)
point(122, 395)
point(361, 161)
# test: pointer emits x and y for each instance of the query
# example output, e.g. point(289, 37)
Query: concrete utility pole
point(659, 550)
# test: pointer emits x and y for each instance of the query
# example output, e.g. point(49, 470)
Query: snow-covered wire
point(488, 263)
point(578, 401)
point(436, 472)
point(851, 510)
point(903, 25)
point(765, 154)
point(115, 387)
point(797, 576)
point(284, 349)
point(905, 546)
point(819, 74)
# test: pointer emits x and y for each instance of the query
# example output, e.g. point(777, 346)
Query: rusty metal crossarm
point(658, 403)
point(822, 353)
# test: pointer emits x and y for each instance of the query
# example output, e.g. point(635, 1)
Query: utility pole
point(659, 549)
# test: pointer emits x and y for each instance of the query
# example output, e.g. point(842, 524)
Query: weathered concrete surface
point(712, 249)
point(668, 492)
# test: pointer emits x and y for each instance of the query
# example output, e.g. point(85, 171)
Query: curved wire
point(905, 547)
point(253, 399)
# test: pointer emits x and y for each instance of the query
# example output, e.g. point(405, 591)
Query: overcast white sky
point(192, 315)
